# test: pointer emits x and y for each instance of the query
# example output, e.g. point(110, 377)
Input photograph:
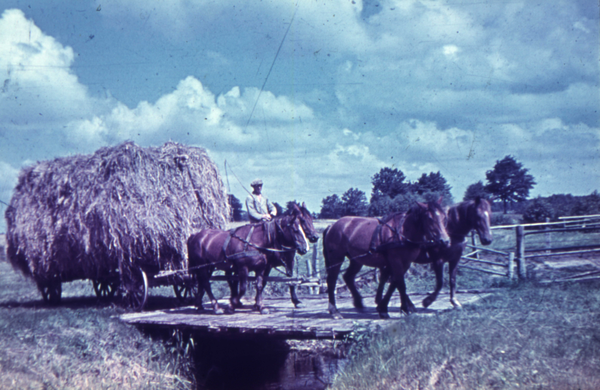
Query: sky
point(313, 97)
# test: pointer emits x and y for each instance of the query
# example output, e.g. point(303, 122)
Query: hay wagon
point(137, 286)
point(118, 217)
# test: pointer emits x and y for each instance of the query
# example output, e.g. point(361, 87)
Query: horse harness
point(399, 240)
point(271, 232)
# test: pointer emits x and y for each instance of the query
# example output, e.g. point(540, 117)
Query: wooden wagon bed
point(285, 321)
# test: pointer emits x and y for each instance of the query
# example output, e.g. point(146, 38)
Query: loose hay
point(85, 216)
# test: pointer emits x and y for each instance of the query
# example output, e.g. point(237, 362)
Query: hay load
point(123, 207)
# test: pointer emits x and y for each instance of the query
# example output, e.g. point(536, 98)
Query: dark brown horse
point(462, 218)
point(286, 257)
point(391, 243)
point(240, 251)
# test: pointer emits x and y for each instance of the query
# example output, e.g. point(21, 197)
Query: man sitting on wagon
point(259, 207)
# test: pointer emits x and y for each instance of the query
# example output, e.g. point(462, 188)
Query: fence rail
point(549, 246)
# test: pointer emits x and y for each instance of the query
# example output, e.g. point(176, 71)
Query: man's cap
point(256, 182)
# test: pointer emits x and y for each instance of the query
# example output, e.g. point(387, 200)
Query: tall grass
point(80, 344)
point(528, 337)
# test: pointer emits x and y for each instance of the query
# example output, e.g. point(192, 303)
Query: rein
point(247, 243)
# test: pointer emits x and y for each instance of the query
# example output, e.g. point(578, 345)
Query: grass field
point(518, 336)
point(79, 344)
point(527, 337)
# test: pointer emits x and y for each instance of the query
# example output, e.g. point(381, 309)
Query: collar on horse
point(398, 239)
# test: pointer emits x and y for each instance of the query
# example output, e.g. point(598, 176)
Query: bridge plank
point(286, 321)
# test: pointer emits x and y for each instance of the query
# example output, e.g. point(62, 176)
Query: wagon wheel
point(186, 290)
point(105, 289)
point(136, 289)
point(51, 291)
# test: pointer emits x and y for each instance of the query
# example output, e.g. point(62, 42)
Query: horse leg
point(200, 295)
point(204, 283)
point(295, 300)
point(452, 270)
point(382, 306)
point(406, 304)
point(232, 281)
point(261, 282)
point(398, 269)
point(349, 276)
point(438, 268)
point(384, 275)
point(332, 275)
point(236, 301)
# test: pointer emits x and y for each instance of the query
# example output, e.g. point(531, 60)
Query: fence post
point(474, 244)
point(548, 237)
point(521, 252)
point(511, 266)
point(310, 270)
point(315, 290)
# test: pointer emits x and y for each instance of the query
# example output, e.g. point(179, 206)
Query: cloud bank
point(416, 85)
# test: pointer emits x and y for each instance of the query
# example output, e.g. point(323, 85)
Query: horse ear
point(422, 205)
point(440, 200)
point(303, 205)
point(477, 200)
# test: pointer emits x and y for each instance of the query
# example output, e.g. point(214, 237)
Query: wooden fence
point(564, 239)
point(519, 245)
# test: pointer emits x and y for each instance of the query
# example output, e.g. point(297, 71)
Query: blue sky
point(313, 97)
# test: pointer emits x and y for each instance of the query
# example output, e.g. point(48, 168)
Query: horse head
point(480, 217)
point(306, 220)
point(292, 233)
point(433, 218)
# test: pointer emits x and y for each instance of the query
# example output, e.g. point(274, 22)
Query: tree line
point(507, 185)
point(508, 182)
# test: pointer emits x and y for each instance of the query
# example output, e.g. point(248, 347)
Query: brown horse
point(462, 218)
point(240, 251)
point(286, 257)
point(392, 243)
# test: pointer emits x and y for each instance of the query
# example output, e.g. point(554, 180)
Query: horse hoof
point(219, 311)
point(456, 304)
point(337, 316)
point(359, 305)
point(427, 302)
point(299, 305)
point(385, 316)
point(264, 310)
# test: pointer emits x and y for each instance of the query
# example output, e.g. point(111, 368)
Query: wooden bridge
point(286, 321)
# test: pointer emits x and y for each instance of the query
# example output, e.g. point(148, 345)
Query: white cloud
point(38, 83)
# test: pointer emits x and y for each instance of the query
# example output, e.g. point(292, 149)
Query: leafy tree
point(403, 203)
point(236, 208)
point(476, 190)
point(388, 182)
point(355, 202)
point(432, 186)
point(588, 205)
point(509, 181)
point(381, 205)
point(332, 207)
point(562, 204)
point(538, 210)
